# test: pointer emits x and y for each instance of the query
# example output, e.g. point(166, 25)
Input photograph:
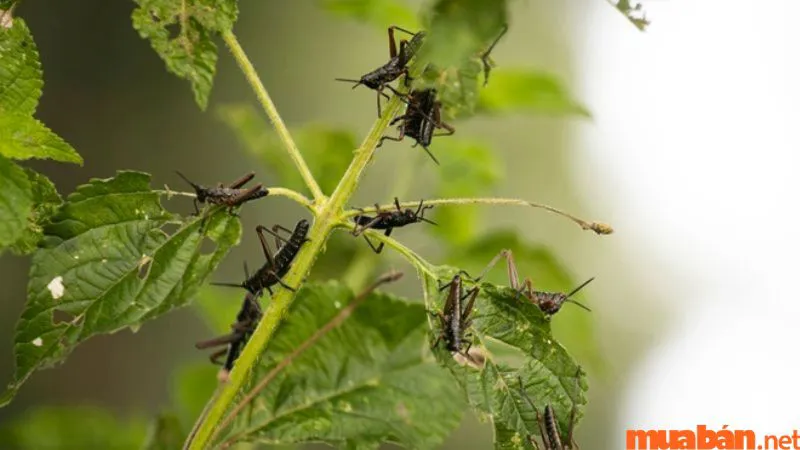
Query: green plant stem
point(597, 227)
point(327, 217)
point(330, 325)
point(269, 108)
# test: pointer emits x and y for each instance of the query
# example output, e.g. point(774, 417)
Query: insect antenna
point(236, 285)
point(194, 185)
point(429, 152)
point(422, 219)
point(348, 80)
point(574, 291)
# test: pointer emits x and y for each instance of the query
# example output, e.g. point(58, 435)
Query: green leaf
point(514, 337)
point(181, 32)
point(16, 202)
point(46, 201)
point(381, 13)
point(21, 73)
point(366, 381)
point(460, 29)
point(328, 150)
point(107, 264)
point(521, 90)
point(166, 433)
point(633, 12)
point(573, 326)
point(23, 137)
point(76, 427)
point(469, 169)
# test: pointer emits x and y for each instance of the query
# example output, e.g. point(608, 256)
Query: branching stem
point(269, 108)
point(327, 213)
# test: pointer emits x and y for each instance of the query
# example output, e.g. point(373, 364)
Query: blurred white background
point(696, 135)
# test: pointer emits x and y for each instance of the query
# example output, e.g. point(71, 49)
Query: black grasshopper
point(231, 196)
point(455, 317)
point(548, 426)
point(379, 78)
point(279, 263)
point(421, 119)
point(389, 220)
point(246, 320)
point(549, 302)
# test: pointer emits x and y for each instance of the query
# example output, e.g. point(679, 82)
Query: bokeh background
point(690, 154)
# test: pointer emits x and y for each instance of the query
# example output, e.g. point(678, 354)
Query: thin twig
point(269, 108)
point(333, 323)
point(597, 227)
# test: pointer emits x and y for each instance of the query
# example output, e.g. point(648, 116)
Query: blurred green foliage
point(524, 90)
point(328, 150)
point(78, 427)
point(471, 170)
point(166, 433)
point(381, 13)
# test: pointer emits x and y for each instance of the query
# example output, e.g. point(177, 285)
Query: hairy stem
point(269, 108)
point(597, 227)
point(327, 218)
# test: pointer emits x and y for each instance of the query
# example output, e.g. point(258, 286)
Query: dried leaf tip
point(6, 18)
point(600, 228)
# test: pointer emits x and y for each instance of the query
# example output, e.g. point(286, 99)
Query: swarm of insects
point(246, 320)
point(552, 439)
point(388, 221)
point(230, 196)
point(277, 264)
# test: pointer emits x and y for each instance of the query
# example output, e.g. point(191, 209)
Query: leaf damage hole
point(208, 246)
point(170, 228)
point(144, 266)
point(61, 316)
point(174, 30)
